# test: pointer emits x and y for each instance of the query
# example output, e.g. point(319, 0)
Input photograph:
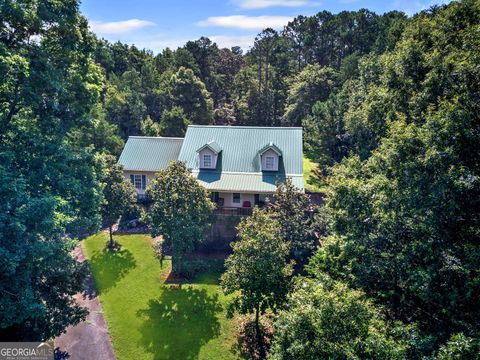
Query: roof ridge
point(250, 127)
point(156, 137)
point(258, 173)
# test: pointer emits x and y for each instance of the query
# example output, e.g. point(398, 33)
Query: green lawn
point(312, 182)
point(149, 319)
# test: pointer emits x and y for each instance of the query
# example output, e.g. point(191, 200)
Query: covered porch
point(241, 204)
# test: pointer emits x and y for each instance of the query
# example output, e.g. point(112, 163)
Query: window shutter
point(257, 199)
point(132, 180)
point(144, 182)
point(216, 196)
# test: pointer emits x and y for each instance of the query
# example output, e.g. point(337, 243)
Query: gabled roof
point(270, 146)
point(241, 146)
point(143, 153)
point(212, 145)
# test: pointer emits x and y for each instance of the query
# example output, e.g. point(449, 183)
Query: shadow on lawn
point(207, 278)
point(179, 323)
point(111, 266)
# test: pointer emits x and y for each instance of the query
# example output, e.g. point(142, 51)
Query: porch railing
point(240, 211)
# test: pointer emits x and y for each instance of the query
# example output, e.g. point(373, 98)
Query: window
point(207, 161)
point(269, 162)
point(236, 198)
point(139, 181)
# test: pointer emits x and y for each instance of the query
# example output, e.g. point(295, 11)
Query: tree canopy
point(180, 212)
point(390, 112)
point(257, 271)
point(50, 187)
point(119, 195)
point(327, 320)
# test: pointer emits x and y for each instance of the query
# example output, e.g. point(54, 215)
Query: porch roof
point(244, 182)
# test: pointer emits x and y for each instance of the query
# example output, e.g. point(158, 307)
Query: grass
point(312, 182)
point(149, 319)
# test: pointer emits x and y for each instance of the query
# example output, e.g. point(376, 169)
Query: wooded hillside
point(391, 113)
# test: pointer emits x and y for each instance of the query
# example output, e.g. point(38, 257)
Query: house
point(239, 165)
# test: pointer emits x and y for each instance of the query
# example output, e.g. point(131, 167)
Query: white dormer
point(208, 155)
point(270, 157)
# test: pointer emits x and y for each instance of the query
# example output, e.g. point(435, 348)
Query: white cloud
point(246, 22)
point(244, 41)
point(411, 7)
point(118, 27)
point(262, 4)
point(159, 42)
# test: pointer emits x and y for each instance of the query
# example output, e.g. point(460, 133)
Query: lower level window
point(236, 198)
point(139, 181)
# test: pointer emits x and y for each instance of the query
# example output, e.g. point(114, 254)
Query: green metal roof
point(241, 146)
point(238, 164)
point(143, 153)
point(213, 146)
point(238, 182)
point(271, 146)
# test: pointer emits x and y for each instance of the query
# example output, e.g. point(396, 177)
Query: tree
point(148, 127)
point(119, 195)
point(174, 122)
point(124, 105)
point(314, 83)
point(49, 184)
point(298, 229)
point(257, 271)
point(224, 115)
point(327, 320)
point(324, 130)
point(189, 93)
point(227, 65)
point(181, 210)
point(405, 213)
point(100, 133)
point(266, 99)
point(460, 347)
point(403, 224)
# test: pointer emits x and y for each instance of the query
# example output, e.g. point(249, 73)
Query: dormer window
point(269, 162)
point(270, 157)
point(208, 155)
point(207, 161)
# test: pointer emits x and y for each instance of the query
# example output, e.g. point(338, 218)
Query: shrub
point(460, 347)
point(193, 267)
point(247, 341)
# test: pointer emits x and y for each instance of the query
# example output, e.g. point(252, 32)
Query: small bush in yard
point(247, 341)
point(159, 249)
point(193, 267)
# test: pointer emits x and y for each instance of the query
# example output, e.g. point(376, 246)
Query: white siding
point(149, 177)
point(228, 199)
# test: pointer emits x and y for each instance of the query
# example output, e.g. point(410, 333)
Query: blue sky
point(156, 24)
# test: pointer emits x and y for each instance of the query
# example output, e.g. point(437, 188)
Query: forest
point(390, 107)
